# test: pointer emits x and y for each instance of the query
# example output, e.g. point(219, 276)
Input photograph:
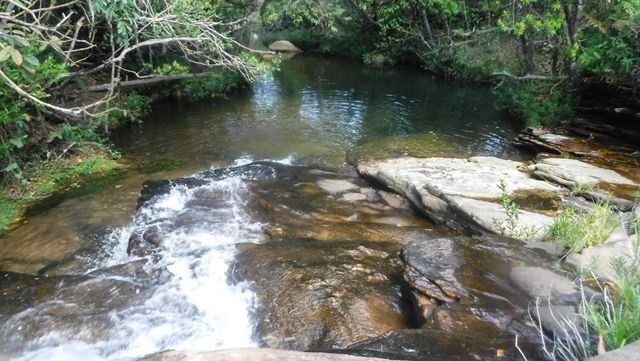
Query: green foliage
point(575, 231)
point(214, 84)
point(611, 45)
point(537, 102)
point(511, 226)
point(132, 108)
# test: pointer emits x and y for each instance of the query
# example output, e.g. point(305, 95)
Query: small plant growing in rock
point(511, 227)
point(576, 231)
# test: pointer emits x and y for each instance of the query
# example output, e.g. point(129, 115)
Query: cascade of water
point(193, 307)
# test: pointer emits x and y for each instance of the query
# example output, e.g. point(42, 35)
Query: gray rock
point(492, 217)
point(336, 185)
point(572, 172)
point(543, 283)
point(627, 353)
point(393, 200)
point(252, 354)
point(476, 177)
point(446, 188)
point(599, 259)
point(556, 318)
point(283, 46)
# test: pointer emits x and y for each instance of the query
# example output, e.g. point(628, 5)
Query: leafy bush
point(538, 103)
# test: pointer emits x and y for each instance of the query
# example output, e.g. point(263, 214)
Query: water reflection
point(317, 109)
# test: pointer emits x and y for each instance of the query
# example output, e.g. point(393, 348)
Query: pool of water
point(317, 110)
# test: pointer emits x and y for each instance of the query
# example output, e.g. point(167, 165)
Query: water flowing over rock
point(320, 294)
point(253, 355)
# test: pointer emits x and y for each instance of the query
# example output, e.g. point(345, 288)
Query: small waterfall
point(189, 304)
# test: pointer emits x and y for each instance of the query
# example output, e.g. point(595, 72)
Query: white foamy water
point(195, 308)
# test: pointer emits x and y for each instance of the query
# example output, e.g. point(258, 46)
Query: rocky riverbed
point(407, 258)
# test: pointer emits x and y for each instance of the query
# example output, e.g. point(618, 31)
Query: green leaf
point(31, 60)
point(16, 56)
point(5, 53)
point(17, 142)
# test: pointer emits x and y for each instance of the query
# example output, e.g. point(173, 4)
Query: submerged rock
point(456, 281)
point(320, 295)
point(252, 354)
point(427, 344)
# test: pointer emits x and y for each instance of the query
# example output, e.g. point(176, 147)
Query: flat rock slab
point(476, 177)
point(313, 295)
point(572, 172)
point(492, 217)
point(255, 354)
point(448, 189)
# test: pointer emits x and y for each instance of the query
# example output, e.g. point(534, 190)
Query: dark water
point(316, 110)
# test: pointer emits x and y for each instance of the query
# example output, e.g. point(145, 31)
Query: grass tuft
point(576, 231)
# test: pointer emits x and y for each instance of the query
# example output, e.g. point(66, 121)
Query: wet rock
point(427, 344)
point(336, 185)
point(573, 172)
point(353, 197)
point(430, 271)
point(253, 354)
point(283, 46)
point(315, 294)
point(459, 191)
point(469, 320)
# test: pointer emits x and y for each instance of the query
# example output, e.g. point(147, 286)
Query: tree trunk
point(527, 52)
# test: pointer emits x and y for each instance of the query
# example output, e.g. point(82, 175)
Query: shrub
point(538, 103)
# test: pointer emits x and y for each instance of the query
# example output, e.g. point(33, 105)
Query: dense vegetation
point(540, 52)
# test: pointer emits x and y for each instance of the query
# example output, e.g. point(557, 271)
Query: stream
point(251, 170)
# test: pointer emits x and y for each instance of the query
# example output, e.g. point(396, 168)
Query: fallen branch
point(528, 76)
point(146, 81)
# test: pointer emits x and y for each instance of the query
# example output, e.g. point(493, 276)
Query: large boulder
point(283, 46)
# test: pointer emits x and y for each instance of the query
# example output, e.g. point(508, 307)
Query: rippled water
point(316, 111)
